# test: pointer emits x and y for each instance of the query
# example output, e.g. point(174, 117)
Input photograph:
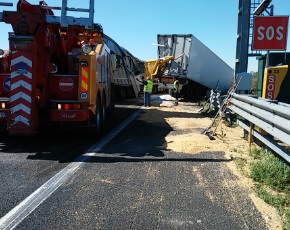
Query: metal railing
point(270, 116)
point(66, 21)
point(4, 4)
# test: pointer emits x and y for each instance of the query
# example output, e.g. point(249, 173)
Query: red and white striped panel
point(21, 89)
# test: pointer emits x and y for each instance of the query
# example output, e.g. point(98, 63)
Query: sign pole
point(268, 52)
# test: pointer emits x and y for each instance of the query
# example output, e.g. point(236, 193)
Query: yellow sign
point(273, 78)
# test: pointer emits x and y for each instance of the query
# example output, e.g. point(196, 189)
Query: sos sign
point(270, 33)
point(273, 80)
point(270, 87)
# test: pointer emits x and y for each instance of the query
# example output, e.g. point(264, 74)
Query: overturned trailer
point(195, 65)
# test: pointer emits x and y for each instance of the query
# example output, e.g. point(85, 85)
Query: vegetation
point(279, 201)
point(206, 108)
point(270, 170)
point(272, 180)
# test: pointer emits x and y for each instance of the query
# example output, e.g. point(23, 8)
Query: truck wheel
point(130, 92)
point(104, 111)
point(112, 101)
point(98, 118)
point(171, 92)
point(122, 93)
point(188, 93)
point(3, 130)
point(155, 89)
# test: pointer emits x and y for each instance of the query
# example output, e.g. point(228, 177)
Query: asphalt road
point(133, 182)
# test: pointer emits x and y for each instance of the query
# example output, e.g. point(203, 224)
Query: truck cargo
point(58, 70)
point(126, 67)
point(185, 57)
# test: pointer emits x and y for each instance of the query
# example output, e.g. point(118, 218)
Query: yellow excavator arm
point(152, 67)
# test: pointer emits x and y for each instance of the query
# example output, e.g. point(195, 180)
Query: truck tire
point(46, 126)
point(189, 93)
point(97, 118)
point(194, 93)
point(3, 130)
point(130, 92)
point(171, 92)
point(112, 101)
point(122, 93)
point(155, 89)
point(104, 111)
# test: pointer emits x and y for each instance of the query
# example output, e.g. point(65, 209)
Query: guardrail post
point(250, 135)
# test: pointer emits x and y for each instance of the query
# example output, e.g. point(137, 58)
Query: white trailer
point(196, 64)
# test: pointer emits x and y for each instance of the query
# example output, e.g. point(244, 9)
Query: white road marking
point(27, 206)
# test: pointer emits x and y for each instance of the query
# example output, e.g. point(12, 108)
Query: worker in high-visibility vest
point(148, 86)
point(176, 90)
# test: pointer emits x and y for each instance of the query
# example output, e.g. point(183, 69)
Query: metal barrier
point(4, 4)
point(271, 116)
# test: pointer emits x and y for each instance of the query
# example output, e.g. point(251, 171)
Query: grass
point(287, 217)
point(241, 163)
point(279, 201)
point(272, 180)
point(256, 153)
point(270, 170)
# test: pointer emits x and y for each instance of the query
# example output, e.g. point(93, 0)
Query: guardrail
point(271, 116)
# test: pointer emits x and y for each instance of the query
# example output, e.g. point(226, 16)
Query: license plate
point(3, 115)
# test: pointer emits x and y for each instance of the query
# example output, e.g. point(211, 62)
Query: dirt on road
point(230, 140)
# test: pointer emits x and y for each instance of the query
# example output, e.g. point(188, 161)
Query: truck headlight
point(86, 48)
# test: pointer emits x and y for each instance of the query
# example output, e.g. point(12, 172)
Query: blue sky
point(135, 24)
